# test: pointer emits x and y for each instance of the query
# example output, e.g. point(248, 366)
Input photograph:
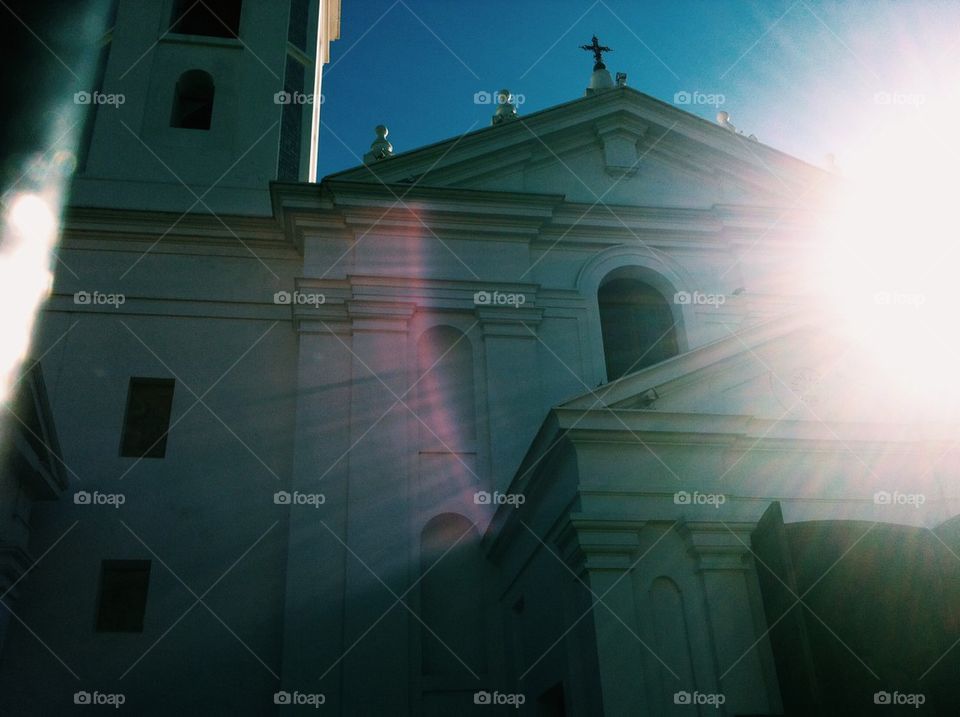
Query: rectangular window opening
point(123, 595)
point(147, 418)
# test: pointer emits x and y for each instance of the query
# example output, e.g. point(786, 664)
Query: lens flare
point(888, 268)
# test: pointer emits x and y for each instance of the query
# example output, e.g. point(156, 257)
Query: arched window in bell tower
point(193, 101)
point(213, 18)
point(637, 325)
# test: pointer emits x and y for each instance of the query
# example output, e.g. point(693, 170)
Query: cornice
point(341, 209)
point(424, 294)
point(103, 224)
point(262, 309)
point(605, 424)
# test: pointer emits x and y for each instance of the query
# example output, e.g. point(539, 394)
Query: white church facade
point(514, 423)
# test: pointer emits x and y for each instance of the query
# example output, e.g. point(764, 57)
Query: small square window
point(123, 595)
point(147, 419)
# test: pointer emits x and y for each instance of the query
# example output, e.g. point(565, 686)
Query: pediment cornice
point(632, 128)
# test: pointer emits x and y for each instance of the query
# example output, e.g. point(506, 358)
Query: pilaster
point(511, 356)
point(724, 563)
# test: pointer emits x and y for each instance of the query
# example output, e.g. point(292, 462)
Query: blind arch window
point(451, 592)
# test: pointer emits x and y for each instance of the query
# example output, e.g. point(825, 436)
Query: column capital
point(719, 545)
point(588, 544)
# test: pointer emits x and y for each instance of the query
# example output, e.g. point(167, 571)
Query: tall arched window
point(447, 403)
point(451, 596)
point(214, 18)
point(193, 101)
point(637, 325)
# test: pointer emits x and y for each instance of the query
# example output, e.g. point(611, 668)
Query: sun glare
point(890, 260)
point(29, 234)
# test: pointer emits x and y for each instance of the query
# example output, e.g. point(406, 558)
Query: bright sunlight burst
point(889, 268)
point(29, 234)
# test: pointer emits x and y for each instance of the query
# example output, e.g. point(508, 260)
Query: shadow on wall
point(879, 617)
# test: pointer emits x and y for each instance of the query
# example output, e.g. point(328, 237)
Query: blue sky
point(806, 77)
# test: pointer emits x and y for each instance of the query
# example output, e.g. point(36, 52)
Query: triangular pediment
point(620, 147)
point(786, 370)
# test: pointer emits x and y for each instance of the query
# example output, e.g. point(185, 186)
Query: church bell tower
point(198, 105)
